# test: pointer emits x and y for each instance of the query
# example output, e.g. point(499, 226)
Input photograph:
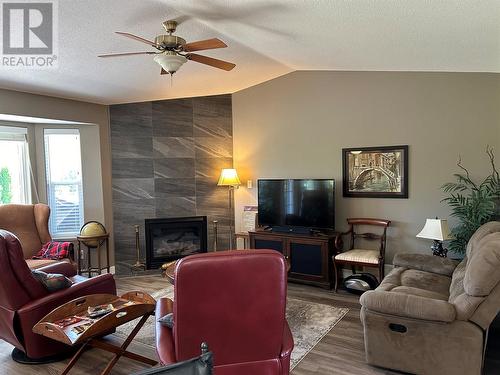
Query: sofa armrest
point(425, 262)
point(409, 306)
point(65, 268)
point(165, 347)
point(102, 284)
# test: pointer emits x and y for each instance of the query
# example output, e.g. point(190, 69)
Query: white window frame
point(48, 183)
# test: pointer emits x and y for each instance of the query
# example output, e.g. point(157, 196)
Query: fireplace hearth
point(174, 238)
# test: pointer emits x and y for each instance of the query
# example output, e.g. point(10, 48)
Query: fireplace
point(174, 238)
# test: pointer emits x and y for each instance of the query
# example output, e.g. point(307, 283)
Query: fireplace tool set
point(139, 265)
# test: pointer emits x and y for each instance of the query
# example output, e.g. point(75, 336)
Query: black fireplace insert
point(174, 238)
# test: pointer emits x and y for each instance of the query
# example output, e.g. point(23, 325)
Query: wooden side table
point(100, 239)
point(62, 325)
point(168, 271)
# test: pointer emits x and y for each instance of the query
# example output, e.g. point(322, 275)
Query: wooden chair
point(356, 256)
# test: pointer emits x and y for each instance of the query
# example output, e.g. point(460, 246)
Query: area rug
point(309, 323)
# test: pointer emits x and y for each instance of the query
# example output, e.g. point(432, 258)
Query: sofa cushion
point(167, 320)
point(52, 281)
point(54, 250)
point(420, 292)
point(466, 305)
point(457, 280)
point(359, 256)
point(425, 262)
point(38, 263)
point(416, 283)
point(482, 273)
point(392, 279)
point(484, 230)
point(428, 281)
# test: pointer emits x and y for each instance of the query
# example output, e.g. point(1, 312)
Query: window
point(14, 166)
point(64, 181)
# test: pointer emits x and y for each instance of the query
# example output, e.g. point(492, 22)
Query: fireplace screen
point(174, 238)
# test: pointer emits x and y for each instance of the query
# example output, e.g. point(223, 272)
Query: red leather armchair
point(235, 301)
point(24, 301)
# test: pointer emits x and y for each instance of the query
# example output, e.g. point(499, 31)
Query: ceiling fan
point(173, 51)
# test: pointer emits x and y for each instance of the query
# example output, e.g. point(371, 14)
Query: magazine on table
point(71, 320)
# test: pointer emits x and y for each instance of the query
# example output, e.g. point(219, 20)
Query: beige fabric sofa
point(431, 315)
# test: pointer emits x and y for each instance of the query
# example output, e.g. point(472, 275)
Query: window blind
point(64, 181)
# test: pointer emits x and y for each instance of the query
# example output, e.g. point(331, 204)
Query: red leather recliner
point(235, 301)
point(24, 301)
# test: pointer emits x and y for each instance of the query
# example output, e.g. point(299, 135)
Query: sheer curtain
point(15, 170)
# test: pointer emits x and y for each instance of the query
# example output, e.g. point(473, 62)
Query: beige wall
point(25, 104)
point(295, 127)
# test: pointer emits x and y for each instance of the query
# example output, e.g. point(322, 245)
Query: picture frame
point(375, 172)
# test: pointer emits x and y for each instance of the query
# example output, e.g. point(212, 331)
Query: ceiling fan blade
point(127, 54)
point(138, 38)
point(204, 44)
point(221, 64)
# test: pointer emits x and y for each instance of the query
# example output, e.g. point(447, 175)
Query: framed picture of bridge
point(375, 172)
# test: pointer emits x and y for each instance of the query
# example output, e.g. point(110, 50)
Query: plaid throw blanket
point(54, 250)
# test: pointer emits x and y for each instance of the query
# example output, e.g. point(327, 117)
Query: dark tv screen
point(297, 203)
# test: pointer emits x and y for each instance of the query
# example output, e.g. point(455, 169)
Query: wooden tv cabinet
point(310, 255)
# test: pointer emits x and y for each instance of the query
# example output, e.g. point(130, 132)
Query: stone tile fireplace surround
point(166, 159)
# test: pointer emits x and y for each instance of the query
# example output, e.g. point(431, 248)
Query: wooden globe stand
point(102, 239)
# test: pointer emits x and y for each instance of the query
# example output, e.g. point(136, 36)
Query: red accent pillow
point(54, 250)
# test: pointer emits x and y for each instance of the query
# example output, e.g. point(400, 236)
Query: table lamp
point(437, 230)
point(229, 177)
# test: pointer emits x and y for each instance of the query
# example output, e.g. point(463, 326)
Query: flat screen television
point(297, 203)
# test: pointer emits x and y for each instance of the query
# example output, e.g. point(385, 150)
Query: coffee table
point(63, 324)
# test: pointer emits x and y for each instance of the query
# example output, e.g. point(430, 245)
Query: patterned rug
point(309, 323)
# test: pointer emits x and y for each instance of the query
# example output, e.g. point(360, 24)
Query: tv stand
point(310, 254)
point(294, 230)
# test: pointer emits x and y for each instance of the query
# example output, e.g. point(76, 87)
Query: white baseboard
point(112, 270)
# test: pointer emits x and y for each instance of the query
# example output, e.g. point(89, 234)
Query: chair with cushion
point(357, 255)
point(24, 301)
point(431, 315)
point(235, 301)
point(30, 223)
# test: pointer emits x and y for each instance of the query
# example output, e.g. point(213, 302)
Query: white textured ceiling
point(266, 39)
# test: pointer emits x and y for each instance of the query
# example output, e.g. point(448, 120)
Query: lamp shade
point(229, 177)
point(436, 229)
point(170, 61)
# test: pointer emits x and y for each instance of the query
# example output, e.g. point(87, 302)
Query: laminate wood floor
point(341, 351)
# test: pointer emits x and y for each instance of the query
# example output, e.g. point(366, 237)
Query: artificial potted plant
point(472, 203)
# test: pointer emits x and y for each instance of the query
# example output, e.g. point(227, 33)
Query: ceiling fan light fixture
point(170, 61)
